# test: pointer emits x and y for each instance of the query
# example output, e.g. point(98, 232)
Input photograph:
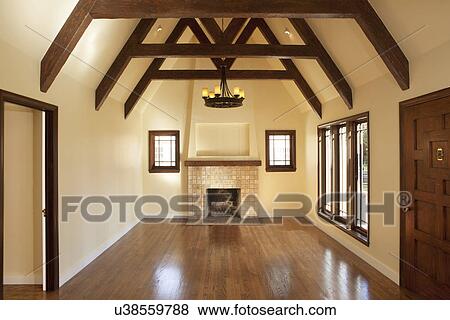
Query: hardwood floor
point(177, 261)
point(26, 292)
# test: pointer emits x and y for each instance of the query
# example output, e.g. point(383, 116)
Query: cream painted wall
point(23, 196)
point(272, 101)
point(168, 109)
point(99, 154)
point(381, 98)
point(222, 139)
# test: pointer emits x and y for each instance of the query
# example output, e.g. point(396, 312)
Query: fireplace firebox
point(223, 202)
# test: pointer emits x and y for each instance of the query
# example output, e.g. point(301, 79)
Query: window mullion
point(335, 169)
point(322, 168)
point(352, 172)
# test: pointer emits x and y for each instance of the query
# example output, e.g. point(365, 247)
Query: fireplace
point(223, 202)
point(206, 175)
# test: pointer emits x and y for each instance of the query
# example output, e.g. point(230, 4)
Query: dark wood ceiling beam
point(202, 38)
point(146, 79)
point(384, 43)
point(290, 66)
point(64, 43)
point(325, 61)
point(243, 38)
point(121, 9)
point(226, 36)
point(215, 74)
point(123, 59)
point(233, 29)
point(222, 51)
point(213, 29)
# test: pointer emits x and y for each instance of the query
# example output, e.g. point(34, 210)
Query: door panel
point(425, 231)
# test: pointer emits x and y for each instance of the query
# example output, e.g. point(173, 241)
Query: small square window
point(280, 151)
point(164, 151)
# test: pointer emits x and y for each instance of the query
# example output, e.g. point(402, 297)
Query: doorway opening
point(28, 193)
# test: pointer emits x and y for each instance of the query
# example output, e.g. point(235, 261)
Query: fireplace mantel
point(222, 163)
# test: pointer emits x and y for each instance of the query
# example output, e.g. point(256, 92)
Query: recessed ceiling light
point(287, 32)
point(159, 29)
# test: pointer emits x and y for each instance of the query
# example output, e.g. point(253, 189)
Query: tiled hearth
point(203, 177)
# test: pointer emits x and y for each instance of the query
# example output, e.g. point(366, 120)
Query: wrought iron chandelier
point(222, 98)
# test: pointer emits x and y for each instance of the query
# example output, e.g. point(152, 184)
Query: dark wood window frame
point(51, 180)
point(151, 140)
point(348, 222)
point(292, 167)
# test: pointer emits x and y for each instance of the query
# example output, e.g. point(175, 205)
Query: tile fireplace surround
point(204, 175)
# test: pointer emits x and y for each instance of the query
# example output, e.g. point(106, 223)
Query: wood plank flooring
point(178, 261)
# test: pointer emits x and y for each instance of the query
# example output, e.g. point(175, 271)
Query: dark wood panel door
point(425, 173)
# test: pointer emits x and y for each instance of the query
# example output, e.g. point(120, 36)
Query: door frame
point(51, 178)
point(404, 105)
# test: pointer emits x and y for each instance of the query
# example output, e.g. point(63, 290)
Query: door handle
point(440, 154)
point(407, 209)
point(44, 213)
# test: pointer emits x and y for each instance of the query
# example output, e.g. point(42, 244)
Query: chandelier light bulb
point(217, 90)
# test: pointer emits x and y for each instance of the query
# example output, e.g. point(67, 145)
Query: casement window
point(164, 151)
point(344, 175)
point(280, 151)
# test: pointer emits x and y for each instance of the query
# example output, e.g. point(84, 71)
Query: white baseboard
point(13, 280)
point(66, 276)
point(377, 264)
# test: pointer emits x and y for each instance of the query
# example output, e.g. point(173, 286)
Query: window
point(344, 175)
point(164, 151)
point(280, 151)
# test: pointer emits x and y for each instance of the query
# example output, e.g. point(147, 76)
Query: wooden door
point(425, 173)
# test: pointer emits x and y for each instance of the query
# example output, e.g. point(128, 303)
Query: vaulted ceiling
point(317, 39)
point(225, 48)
